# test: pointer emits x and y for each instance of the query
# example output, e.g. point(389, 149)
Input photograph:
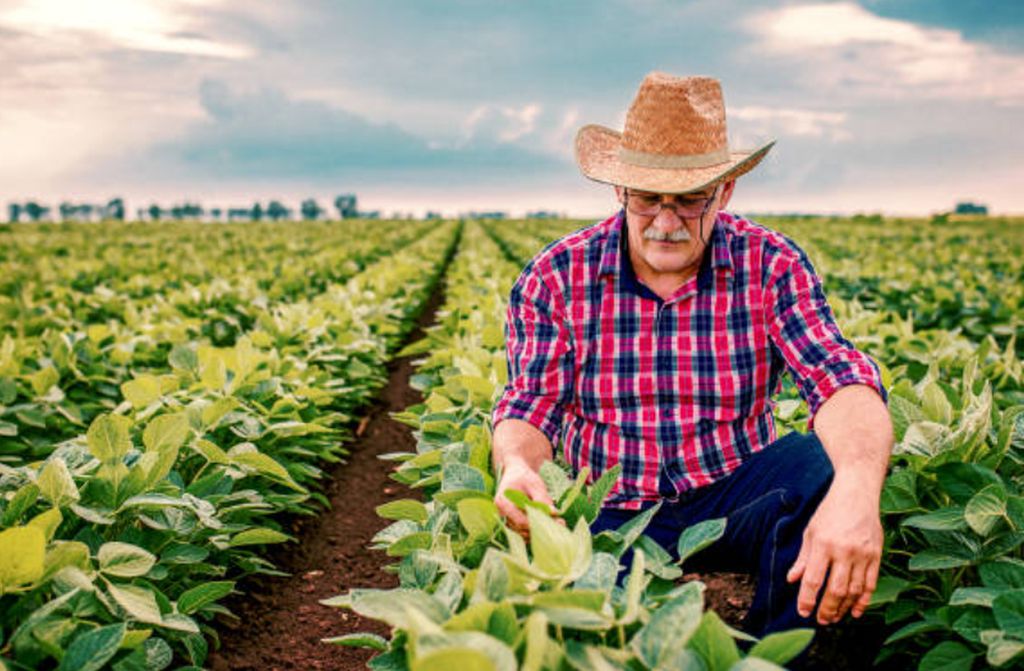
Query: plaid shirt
point(677, 391)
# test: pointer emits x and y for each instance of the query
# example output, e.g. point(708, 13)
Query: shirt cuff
point(541, 412)
point(833, 376)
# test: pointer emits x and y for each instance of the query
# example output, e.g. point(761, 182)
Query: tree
point(13, 213)
point(67, 210)
point(310, 209)
point(114, 209)
point(276, 211)
point(35, 211)
point(346, 206)
point(155, 213)
point(257, 212)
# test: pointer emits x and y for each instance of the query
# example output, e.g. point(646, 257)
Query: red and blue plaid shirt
point(677, 391)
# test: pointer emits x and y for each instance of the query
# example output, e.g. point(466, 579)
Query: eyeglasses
point(685, 206)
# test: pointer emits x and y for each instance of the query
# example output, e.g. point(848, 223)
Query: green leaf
point(56, 484)
point(24, 498)
point(783, 646)
point(986, 508)
point(393, 606)
point(141, 391)
point(1005, 572)
point(404, 509)
point(91, 650)
point(124, 560)
point(944, 519)
point(555, 479)
point(138, 602)
point(888, 590)
point(947, 656)
point(973, 622)
point(47, 521)
point(631, 530)
point(166, 432)
point(671, 627)
point(1002, 650)
point(183, 358)
point(361, 640)
point(975, 596)
point(934, 560)
point(713, 642)
point(755, 664)
point(699, 536)
point(537, 642)
point(551, 544)
point(195, 599)
point(258, 536)
point(479, 516)
point(961, 481)
point(421, 540)
point(108, 437)
point(447, 659)
point(43, 379)
point(936, 406)
point(22, 551)
point(1008, 608)
point(153, 655)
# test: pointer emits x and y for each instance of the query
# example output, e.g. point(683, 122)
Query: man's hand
point(517, 474)
point(843, 540)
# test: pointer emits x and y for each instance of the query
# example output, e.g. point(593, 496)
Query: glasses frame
point(674, 206)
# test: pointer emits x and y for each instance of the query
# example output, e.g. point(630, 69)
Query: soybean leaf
point(699, 536)
point(90, 650)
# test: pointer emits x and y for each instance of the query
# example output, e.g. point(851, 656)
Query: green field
point(168, 391)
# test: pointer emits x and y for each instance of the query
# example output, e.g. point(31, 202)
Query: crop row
point(75, 326)
point(944, 326)
point(116, 548)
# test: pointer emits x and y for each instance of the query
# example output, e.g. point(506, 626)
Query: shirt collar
point(613, 259)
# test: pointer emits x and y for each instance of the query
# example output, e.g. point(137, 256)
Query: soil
point(280, 619)
point(281, 622)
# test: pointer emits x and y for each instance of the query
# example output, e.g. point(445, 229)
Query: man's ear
point(620, 195)
point(727, 190)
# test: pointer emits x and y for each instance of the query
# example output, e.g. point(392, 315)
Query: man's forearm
point(855, 429)
point(516, 440)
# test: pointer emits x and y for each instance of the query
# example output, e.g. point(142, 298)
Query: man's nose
point(667, 218)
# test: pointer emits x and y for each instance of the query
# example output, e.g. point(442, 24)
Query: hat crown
point(676, 116)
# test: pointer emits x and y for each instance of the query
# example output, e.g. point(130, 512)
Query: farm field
point(177, 400)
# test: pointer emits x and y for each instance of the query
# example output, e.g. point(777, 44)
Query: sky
point(892, 106)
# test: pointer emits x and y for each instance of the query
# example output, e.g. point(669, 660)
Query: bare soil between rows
point(281, 622)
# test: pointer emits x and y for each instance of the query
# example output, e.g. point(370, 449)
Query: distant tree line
point(32, 211)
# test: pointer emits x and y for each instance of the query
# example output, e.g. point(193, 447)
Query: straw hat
point(674, 141)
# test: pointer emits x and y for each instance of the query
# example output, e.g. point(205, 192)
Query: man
point(656, 339)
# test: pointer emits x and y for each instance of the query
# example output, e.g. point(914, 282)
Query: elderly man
point(656, 339)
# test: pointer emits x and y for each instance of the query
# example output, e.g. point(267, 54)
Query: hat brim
point(597, 154)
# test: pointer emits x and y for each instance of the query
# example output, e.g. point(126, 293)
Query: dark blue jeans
point(768, 502)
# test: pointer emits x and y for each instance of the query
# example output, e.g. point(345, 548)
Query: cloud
point(857, 53)
point(763, 121)
point(265, 134)
point(500, 123)
point(134, 24)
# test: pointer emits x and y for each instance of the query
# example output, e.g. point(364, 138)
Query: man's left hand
point(842, 541)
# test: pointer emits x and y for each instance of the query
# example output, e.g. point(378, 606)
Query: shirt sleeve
point(804, 331)
point(539, 354)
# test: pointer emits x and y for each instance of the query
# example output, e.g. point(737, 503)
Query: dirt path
point(281, 620)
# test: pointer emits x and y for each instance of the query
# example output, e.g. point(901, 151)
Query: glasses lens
point(650, 204)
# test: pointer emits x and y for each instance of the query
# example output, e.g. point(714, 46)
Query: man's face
point(666, 240)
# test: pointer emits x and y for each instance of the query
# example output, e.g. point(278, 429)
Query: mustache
point(680, 235)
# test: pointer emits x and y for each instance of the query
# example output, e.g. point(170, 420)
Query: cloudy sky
point(899, 106)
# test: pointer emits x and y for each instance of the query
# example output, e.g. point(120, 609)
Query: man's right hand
point(517, 474)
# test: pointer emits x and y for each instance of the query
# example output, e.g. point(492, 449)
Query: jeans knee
point(815, 471)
